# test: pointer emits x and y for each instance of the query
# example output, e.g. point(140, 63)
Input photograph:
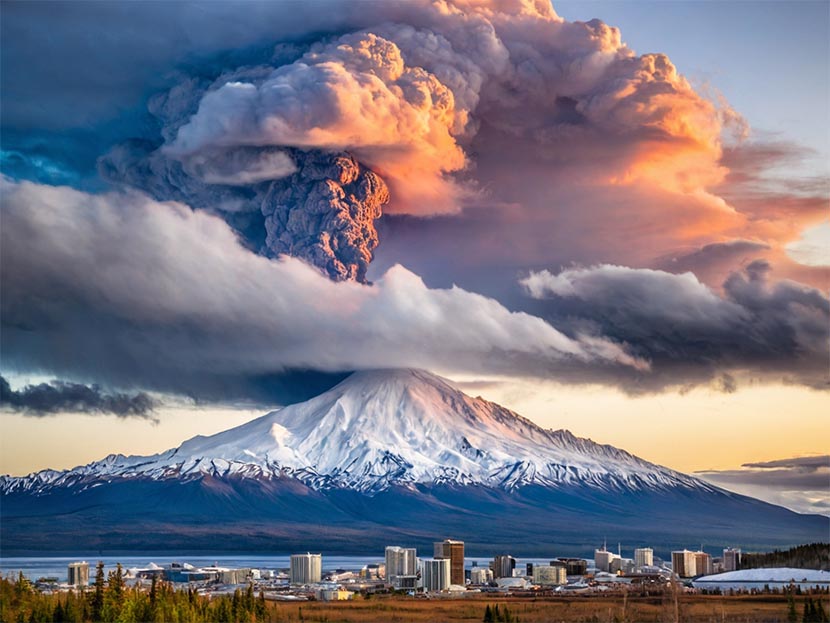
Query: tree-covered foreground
point(111, 601)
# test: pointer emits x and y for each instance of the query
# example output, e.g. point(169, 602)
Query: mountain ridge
point(383, 427)
point(384, 457)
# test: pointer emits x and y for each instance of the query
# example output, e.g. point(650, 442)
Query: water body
point(56, 567)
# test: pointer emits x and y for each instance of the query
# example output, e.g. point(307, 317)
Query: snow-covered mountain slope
point(779, 574)
point(383, 428)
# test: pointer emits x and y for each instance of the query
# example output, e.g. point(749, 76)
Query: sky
point(610, 217)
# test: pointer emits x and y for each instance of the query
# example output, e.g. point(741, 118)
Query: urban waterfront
point(34, 567)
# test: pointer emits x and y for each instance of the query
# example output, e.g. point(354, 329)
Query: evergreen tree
point(249, 600)
point(488, 615)
point(236, 605)
point(792, 616)
point(98, 595)
point(261, 608)
point(57, 613)
point(115, 586)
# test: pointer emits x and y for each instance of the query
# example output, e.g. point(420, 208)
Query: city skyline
point(605, 225)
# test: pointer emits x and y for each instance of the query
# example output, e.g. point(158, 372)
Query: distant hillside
point(812, 556)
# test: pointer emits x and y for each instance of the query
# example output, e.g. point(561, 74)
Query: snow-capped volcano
point(384, 457)
point(385, 427)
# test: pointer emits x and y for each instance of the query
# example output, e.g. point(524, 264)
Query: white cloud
point(128, 289)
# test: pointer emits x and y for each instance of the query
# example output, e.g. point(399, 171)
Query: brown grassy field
point(594, 609)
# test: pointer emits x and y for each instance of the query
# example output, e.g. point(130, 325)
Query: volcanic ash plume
point(325, 214)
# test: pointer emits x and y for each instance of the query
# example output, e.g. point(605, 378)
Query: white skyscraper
point(643, 557)
point(435, 574)
point(306, 568)
point(400, 562)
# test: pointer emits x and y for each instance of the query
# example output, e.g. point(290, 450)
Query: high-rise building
point(503, 566)
point(545, 575)
point(401, 564)
point(731, 559)
point(643, 557)
point(454, 551)
point(703, 563)
point(683, 563)
point(435, 574)
point(306, 568)
point(78, 573)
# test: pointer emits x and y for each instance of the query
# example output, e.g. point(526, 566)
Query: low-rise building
point(516, 583)
point(481, 575)
point(643, 557)
point(335, 594)
point(548, 575)
point(573, 566)
point(373, 572)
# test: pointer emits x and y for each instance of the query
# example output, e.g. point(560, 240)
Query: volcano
point(385, 456)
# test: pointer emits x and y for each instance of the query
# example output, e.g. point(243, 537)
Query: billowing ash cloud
point(64, 397)
point(325, 214)
point(528, 142)
point(435, 99)
point(318, 206)
point(691, 334)
point(139, 293)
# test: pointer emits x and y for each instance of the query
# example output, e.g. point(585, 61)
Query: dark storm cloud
point(800, 483)
point(715, 254)
point(59, 72)
point(689, 333)
point(803, 464)
point(64, 397)
point(791, 474)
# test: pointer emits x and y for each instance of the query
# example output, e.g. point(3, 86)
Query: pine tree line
point(111, 601)
point(810, 556)
point(814, 612)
